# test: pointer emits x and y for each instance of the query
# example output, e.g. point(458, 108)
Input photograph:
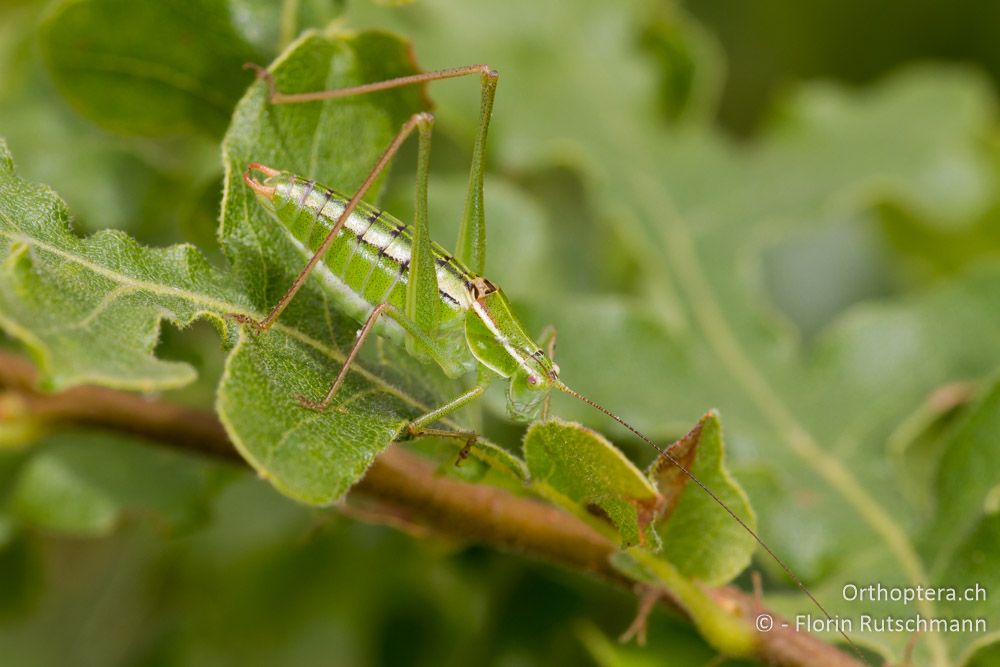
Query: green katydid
point(397, 283)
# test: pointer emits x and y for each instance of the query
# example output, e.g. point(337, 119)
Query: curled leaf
point(582, 471)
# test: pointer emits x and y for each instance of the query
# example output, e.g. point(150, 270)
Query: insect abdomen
point(371, 254)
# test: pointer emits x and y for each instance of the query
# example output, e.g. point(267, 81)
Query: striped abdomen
point(369, 261)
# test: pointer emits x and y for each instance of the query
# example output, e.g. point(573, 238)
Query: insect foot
point(264, 75)
point(316, 406)
point(464, 452)
point(242, 319)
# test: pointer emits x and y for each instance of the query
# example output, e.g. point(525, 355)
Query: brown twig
point(403, 483)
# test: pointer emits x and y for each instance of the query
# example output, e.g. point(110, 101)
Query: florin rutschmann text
point(888, 624)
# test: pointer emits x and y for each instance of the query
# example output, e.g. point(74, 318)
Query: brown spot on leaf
point(646, 511)
point(670, 480)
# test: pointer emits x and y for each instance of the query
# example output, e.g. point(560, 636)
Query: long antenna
point(690, 475)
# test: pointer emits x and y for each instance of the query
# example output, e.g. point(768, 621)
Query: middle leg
point(418, 429)
point(421, 339)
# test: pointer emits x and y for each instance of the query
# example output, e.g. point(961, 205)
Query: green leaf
point(311, 456)
point(967, 477)
point(6, 530)
point(271, 26)
point(89, 309)
point(689, 63)
point(699, 537)
point(114, 71)
point(972, 571)
point(582, 471)
point(965, 535)
point(154, 190)
point(823, 413)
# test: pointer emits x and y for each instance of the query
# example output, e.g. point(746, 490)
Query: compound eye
point(532, 379)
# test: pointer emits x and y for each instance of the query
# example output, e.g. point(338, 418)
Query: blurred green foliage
point(828, 278)
point(772, 44)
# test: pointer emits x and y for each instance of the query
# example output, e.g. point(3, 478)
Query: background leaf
point(183, 81)
point(966, 528)
point(85, 484)
point(160, 191)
